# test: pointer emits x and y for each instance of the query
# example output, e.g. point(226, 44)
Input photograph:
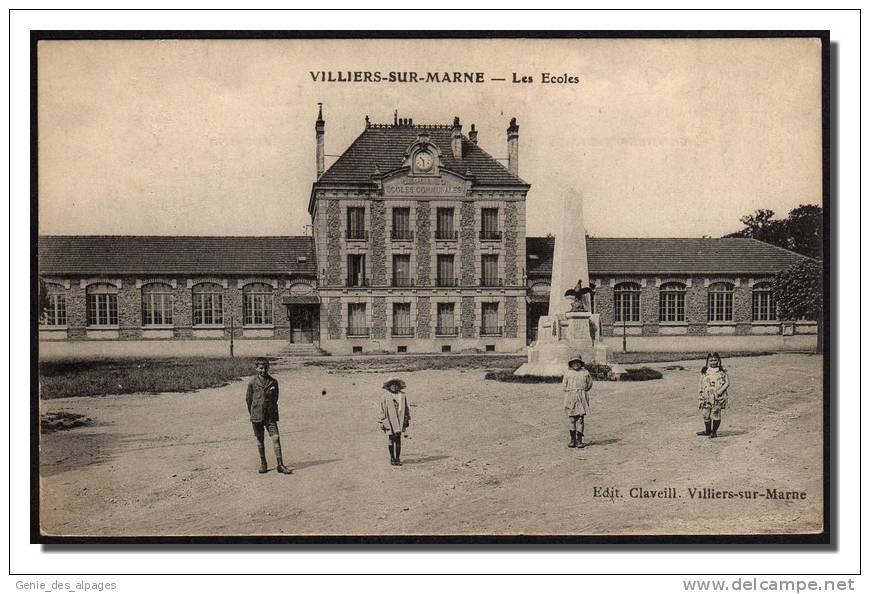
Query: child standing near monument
point(576, 384)
point(262, 401)
point(394, 417)
point(712, 394)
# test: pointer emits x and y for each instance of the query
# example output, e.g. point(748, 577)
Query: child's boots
point(706, 431)
point(573, 442)
point(580, 443)
point(263, 467)
point(715, 428)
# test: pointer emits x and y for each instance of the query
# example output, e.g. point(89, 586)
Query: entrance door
point(301, 324)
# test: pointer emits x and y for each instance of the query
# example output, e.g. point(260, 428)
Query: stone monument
point(569, 328)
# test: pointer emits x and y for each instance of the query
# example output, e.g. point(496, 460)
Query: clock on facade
point(423, 161)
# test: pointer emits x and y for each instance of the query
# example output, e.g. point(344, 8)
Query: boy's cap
point(261, 361)
point(577, 360)
point(392, 381)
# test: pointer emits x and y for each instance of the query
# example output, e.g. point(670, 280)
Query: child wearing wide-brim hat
point(576, 384)
point(395, 417)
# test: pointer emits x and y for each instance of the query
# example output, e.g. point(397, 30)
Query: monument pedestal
point(562, 337)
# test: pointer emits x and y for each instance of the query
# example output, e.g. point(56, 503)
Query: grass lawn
point(409, 363)
point(62, 379)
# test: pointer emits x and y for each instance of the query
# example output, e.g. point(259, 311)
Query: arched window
point(208, 304)
point(763, 305)
point(672, 302)
point(720, 302)
point(102, 304)
point(257, 299)
point(55, 313)
point(626, 302)
point(156, 304)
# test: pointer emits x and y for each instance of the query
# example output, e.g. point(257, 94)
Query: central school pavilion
point(418, 245)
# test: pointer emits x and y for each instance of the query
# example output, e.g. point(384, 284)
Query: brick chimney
point(513, 142)
point(319, 127)
point(456, 139)
point(472, 134)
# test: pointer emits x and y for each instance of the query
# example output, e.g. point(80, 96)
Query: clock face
point(423, 161)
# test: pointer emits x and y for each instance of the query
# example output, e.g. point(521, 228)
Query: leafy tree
point(799, 294)
point(41, 299)
point(800, 232)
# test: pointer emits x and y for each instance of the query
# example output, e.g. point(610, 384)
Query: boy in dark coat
point(262, 401)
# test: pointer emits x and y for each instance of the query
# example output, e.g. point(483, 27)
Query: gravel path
point(483, 458)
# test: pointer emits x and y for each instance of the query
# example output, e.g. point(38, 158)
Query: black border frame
point(822, 540)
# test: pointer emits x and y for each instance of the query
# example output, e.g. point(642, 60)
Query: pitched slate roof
point(168, 255)
point(384, 146)
point(646, 256)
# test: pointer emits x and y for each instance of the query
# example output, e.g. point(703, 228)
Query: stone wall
point(76, 318)
point(333, 243)
point(333, 318)
point(379, 318)
point(468, 241)
point(424, 245)
point(424, 317)
point(467, 317)
point(182, 309)
point(696, 304)
point(129, 311)
point(511, 240)
point(511, 317)
point(378, 243)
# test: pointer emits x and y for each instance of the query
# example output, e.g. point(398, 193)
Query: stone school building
point(418, 244)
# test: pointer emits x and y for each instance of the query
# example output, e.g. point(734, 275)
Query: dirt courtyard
point(483, 458)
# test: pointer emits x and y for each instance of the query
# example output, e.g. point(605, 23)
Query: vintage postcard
point(507, 288)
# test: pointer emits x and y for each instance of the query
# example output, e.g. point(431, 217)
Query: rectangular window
point(445, 320)
point(102, 309)
point(356, 222)
point(208, 309)
point(720, 306)
point(673, 307)
point(356, 320)
point(626, 306)
point(356, 270)
point(489, 223)
point(55, 314)
point(402, 319)
point(402, 224)
point(763, 307)
point(444, 224)
point(446, 276)
point(402, 270)
point(156, 309)
point(489, 319)
point(672, 303)
point(258, 309)
point(489, 271)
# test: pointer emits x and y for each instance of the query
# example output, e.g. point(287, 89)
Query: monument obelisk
point(570, 328)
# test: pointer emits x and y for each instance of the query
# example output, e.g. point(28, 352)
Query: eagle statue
point(578, 294)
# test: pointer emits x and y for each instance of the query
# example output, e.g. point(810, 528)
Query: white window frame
point(55, 313)
point(672, 303)
point(630, 292)
point(215, 305)
point(157, 298)
point(760, 292)
point(720, 303)
point(101, 305)
point(258, 305)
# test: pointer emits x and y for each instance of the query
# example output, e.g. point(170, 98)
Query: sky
point(661, 138)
